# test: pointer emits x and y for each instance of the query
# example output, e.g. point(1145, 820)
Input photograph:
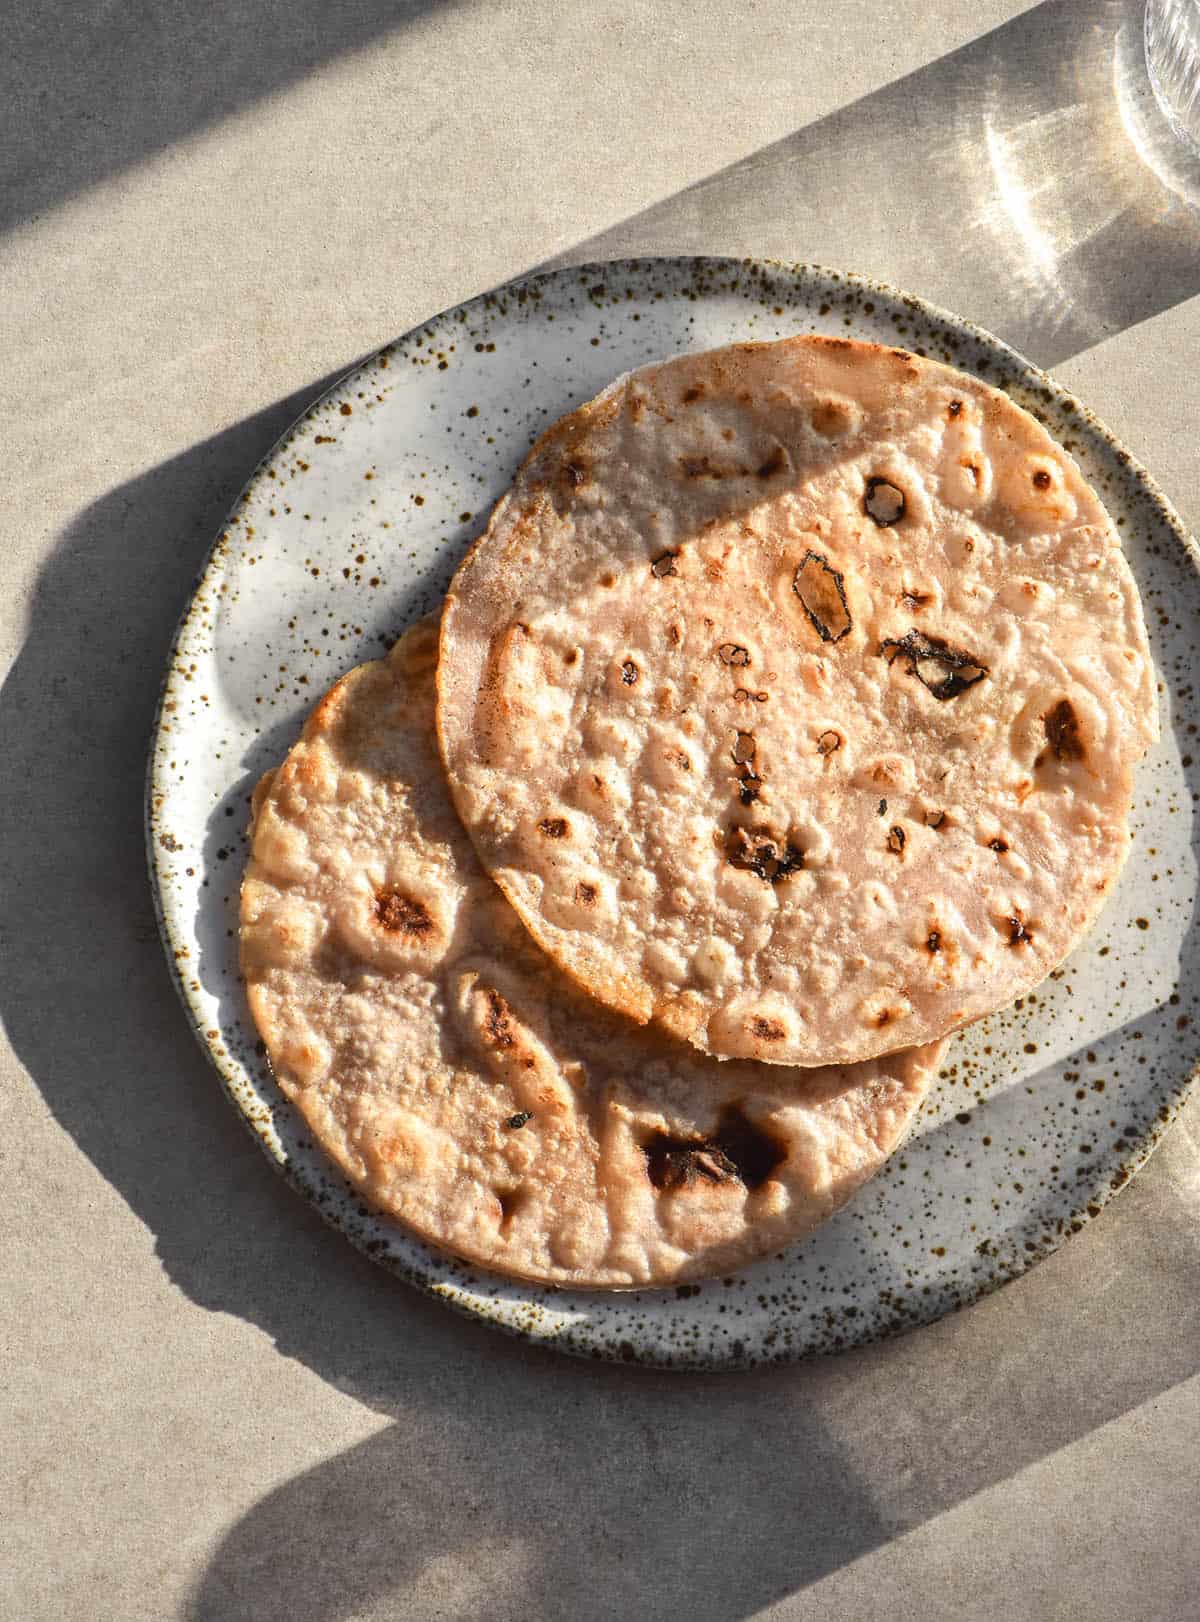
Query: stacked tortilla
point(788, 711)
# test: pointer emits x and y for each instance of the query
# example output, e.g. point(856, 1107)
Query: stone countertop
point(214, 1408)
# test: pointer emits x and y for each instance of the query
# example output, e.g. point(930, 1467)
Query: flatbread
point(792, 696)
point(460, 1081)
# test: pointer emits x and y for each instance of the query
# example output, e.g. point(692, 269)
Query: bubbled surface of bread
point(462, 1083)
point(793, 697)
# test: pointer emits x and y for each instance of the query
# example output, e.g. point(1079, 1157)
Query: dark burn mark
point(749, 786)
point(496, 1025)
point(401, 915)
point(822, 594)
point(775, 464)
point(1042, 480)
point(915, 599)
point(763, 853)
point(663, 565)
point(829, 742)
point(696, 392)
point(744, 748)
point(953, 409)
point(1062, 731)
point(896, 840)
point(754, 1152)
point(678, 1163)
point(943, 670)
point(553, 827)
point(933, 941)
point(517, 1121)
point(1018, 934)
point(731, 653)
point(767, 1030)
point(884, 502)
point(576, 474)
point(629, 673)
point(739, 1151)
point(585, 894)
point(935, 819)
point(881, 809)
point(998, 845)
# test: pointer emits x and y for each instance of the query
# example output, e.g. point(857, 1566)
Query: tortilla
point(793, 696)
point(462, 1084)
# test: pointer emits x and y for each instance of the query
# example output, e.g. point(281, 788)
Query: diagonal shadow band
point(1013, 181)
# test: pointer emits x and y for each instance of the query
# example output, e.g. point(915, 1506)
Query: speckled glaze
point(351, 528)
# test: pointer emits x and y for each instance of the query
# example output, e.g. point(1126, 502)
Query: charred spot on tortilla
point(762, 852)
point(732, 653)
point(674, 1163)
point(663, 565)
point(496, 1024)
point(884, 502)
point(629, 673)
point(822, 594)
point(1062, 731)
point(749, 786)
point(942, 669)
point(553, 827)
point(767, 1030)
point(400, 914)
point(754, 1151)
point(739, 1151)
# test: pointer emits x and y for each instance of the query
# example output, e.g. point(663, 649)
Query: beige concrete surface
point(212, 1408)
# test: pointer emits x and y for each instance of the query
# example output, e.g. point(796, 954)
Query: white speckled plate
point(350, 529)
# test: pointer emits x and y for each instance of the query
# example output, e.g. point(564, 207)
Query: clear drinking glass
point(1173, 61)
